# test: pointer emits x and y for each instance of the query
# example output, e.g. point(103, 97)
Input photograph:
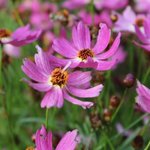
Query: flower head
point(58, 83)
point(126, 23)
point(22, 36)
point(43, 140)
point(143, 98)
point(81, 52)
point(144, 35)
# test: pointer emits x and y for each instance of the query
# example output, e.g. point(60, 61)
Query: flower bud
point(107, 115)
point(129, 80)
point(138, 142)
point(114, 102)
point(95, 120)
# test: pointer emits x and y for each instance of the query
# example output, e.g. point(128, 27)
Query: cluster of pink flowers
point(61, 71)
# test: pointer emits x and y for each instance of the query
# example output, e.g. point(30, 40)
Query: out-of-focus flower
point(22, 36)
point(43, 140)
point(99, 4)
point(143, 97)
point(3, 3)
point(142, 5)
point(122, 131)
point(39, 13)
point(58, 83)
point(82, 54)
point(109, 4)
point(126, 23)
point(11, 50)
point(144, 35)
point(103, 17)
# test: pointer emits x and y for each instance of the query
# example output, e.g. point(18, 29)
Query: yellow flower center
point(59, 77)
point(85, 53)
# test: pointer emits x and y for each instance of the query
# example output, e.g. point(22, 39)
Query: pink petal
point(86, 93)
point(79, 78)
point(102, 39)
point(112, 50)
point(53, 98)
point(69, 141)
point(64, 48)
point(81, 36)
point(76, 101)
point(31, 70)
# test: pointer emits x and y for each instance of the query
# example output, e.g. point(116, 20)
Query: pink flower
point(3, 3)
point(109, 4)
point(144, 35)
point(143, 98)
point(83, 54)
point(142, 5)
point(103, 17)
point(126, 23)
point(43, 140)
point(22, 36)
point(99, 4)
point(57, 82)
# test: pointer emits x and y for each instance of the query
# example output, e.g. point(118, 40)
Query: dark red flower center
point(4, 33)
point(85, 53)
point(59, 77)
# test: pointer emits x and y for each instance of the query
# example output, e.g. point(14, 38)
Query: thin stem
point(0, 67)
point(18, 18)
point(117, 110)
point(46, 121)
point(108, 141)
point(148, 145)
point(146, 76)
point(92, 11)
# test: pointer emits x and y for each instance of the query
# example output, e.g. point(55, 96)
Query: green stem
point(117, 110)
point(1, 67)
point(46, 121)
point(92, 11)
point(146, 75)
point(148, 145)
point(108, 141)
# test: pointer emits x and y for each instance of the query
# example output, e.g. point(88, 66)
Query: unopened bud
point(129, 80)
point(114, 102)
point(107, 115)
point(95, 120)
point(138, 142)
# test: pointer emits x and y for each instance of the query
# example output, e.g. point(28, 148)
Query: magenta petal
point(147, 27)
point(69, 141)
point(42, 87)
point(42, 61)
point(112, 50)
point(106, 65)
point(64, 48)
point(53, 98)
point(78, 78)
point(76, 101)
point(85, 93)
point(81, 36)
point(31, 70)
point(102, 39)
